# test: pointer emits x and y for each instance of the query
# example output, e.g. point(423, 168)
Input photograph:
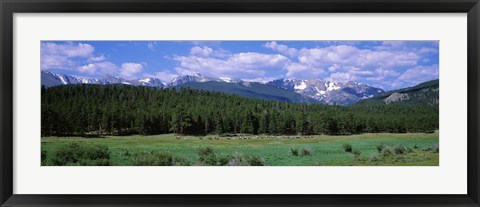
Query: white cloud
point(96, 68)
point(419, 74)
point(301, 71)
point(240, 65)
point(201, 52)
point(59, 56)
point(350, 73)
point(96, 58)
point(282, 49)
point(55, 62)
point(67, 49)
point(342, 77)
point(427, 50)
point(130, 70)
point(351, 56)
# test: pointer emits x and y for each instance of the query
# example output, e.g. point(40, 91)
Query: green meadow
point(379, 149)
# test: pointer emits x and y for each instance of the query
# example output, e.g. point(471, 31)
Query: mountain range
point(290, 90)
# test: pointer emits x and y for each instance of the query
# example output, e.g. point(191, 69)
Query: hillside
point(426, 93)
point(250, 90)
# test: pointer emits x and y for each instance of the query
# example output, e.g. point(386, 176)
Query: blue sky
point(385, 64)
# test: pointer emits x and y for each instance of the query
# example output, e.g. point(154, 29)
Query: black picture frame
point(10, 7)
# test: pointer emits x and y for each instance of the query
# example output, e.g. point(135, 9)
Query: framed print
point(264, 103)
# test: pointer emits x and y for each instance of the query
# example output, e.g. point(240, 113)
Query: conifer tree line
point(121, 109)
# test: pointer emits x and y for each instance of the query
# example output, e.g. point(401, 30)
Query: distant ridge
point(426, 93)
point(291, 90)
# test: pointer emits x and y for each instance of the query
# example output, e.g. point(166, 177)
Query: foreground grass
point(324, 150)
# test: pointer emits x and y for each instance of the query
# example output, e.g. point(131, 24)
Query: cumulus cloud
point(301, 71)
point(96, 58)
point(130, 70)
point(240, 65)
point(98, 68)
point(353, 56)
point(55, 62)
point(342, 77)
point(350, 73)
point(419, 74)
point(67, 49)
point(282, 49)
point(201, 51)
point(59, 56)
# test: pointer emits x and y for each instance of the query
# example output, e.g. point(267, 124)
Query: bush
point(399, 149)
point(207, 156)
point(206, 151)
point(81, 154)
point(356, 153)
point(436, 149)
point(254, 160)
point(306, 152)
point(415, 146)
point(409, 150)
point(151, 158)
point(125, 153)
point(294, 151)
point(373, 158)
point(347, 147)
point(249, 160)
point(223, 160)
point(237, 160)
point(380, 147)
point(387, 151)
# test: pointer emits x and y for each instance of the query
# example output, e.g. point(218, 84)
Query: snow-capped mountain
point(199, 78)
point(328, 92)
point(325, 92)
point(50, 79)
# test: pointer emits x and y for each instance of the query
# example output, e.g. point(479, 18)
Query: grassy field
point(419, 149)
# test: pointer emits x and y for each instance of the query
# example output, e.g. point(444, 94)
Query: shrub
point(373, 158)
point(249, 160)
point(81, 154)
point(207, 156)
point(125, 153)
point(153, 159)
point(223, 160)
point(356, 153)
point(237, 160)
point(380, 147)
point(409, 150)
point(436, 149)
point(387, 151)
point(399, 149)
point(347, 147)
point(294, 151)
point(255, 160)
point(206, 151)
point(415, 146)
point(180, 161)
point(306, 152)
